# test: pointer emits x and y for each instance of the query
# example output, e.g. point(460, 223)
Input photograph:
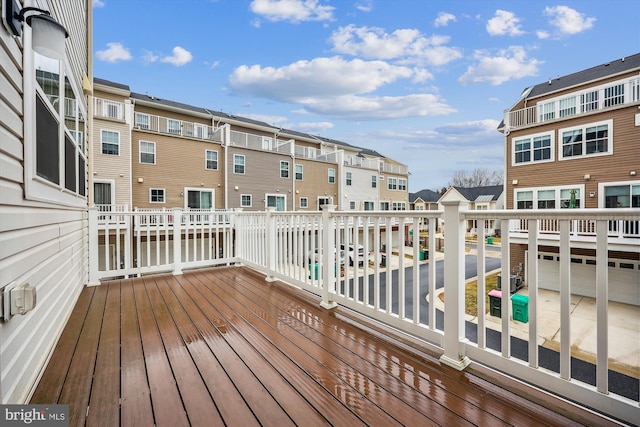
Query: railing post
point(454, 334)
point(93, 247)
point(177, 241)
point(329, 257)
point(271, 245)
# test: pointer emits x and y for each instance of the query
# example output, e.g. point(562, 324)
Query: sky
point(423, 82)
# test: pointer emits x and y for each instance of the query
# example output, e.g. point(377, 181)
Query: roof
point(104, 82)
point(595, 73)
point(481, 194)
point(428, 196)
point(169, 103)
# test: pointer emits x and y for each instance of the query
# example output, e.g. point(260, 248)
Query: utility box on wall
point(17, 300)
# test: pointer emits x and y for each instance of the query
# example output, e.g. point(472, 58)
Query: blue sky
point(423, 82)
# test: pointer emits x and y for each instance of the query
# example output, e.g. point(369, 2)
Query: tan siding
point(108, 166)
point(180, 163)
point(315, 183)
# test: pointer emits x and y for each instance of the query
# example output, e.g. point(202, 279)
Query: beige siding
point(180, 163)
point(44, 245)
point(315, 183)
point(109, 166)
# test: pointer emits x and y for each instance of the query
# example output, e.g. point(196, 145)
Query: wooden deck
point(223, 347)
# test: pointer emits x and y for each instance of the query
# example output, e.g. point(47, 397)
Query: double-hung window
point(392, 183)
point(174, 127)
point(402, 184)
point(110, 142)
point(586, 140)
point(211, 161)
point(332, 175)
point(533, 148)
point(142, 121)
point(299, 172)
point(349, 178)
point(238, 164)
point(374, 181)
point(148, 152)
point(284, 169)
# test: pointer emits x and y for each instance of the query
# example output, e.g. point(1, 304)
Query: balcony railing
point(583, 102)
point(362, 162)
point(311, 250)
point(312, 153)
point(108, 109)
point(260, 142)
point(393, 168)
point(169, 126)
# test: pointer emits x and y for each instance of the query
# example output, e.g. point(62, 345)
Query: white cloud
point(407, 45)
point(504, 23)
point(567, 20)
point(149, 57)
point(443, 19)
point(179, 58)
point(508, 64)
point(292, 10)
point(311, 127)
point(365, 5)
point(97, 3)
point(542, 35)
point(114, 52)
point(269, 119)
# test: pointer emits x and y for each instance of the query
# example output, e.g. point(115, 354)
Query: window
point(546, 199)
point(524, 200)
point(156, 195)
point(570, 198)
point(384, 206)
point(349, 179)
point(174, 127)
point(245, 200)
point(532, 148)
point(276, 201)
point(374, 181)
point(399, 206)
point(284, 169)
point(142, 121)
point(148, 152)
point(352, 205)
point(304, 202)
point(110, 142)
point(591, 139)
point(369, 206)
point(614, 95)
point(547, 111)
point(211, 159)
point(298, 172)
point(589, 101)
point(622, 196)
point(55, 165)
point(392, 183)
point(238, 164)
point(324, 201)
point(332, 175)
point(567, 106)
point(199, 199)
point(402, 184)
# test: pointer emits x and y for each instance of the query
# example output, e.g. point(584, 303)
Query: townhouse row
point(149, 152)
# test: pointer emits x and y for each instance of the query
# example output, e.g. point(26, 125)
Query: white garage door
point(624, 277)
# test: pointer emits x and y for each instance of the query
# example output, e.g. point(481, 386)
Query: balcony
point(393, 168)
point(621, 93)
point(312, 153)
point(169, 126)
point(260, 142)
point(193, 339)
point(109, 109)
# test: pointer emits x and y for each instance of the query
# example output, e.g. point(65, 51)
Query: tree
point(479, 177)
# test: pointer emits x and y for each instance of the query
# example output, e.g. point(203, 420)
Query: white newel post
point(454, 353)
point(93, 247)
point(177, 241)
point(271, 245)
point(329, 267)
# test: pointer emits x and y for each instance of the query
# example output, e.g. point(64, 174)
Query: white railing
point(362, 162)
point(391, 283)
point(109, 109)
point(578, 227)
point(393, 168)
point(582, 102)
point(312, 153)
point(169, 126)
point(260, 142)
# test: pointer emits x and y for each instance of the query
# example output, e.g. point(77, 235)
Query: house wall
point(391, 196)
point(262, 176)
point(180, 163)
point(42, 243)
point(360, 190)
point(315, 183)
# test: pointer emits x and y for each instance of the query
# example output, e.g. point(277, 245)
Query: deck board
point(224, 347)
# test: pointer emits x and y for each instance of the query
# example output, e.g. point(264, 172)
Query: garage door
point(624, 277)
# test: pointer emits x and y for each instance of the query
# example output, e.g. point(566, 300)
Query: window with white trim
point(349, 178)
point(142, 121)
point(392, 183)
point(622, 196)
point(332, 175)
point(369, 206)
point(174, 126)
point(374, 181)
point(299, 170)
point(352, 205)
point(238, 164)
point(211, 159)
point(614, 95)
point(564, 197)
point(524, 200)
point(245, 200)
point(399, 206)
point(156, 195)
point(533, 148)
point(110, 142)
point(384, 206)
point(567, 106)
point(284, 169)
point(199, 198)
point(402, 184)
point(586, 140)
point(148, 152)
point(589, 101)
point(276, 201)
point(546, 111)
point(55, 159)
point(304, 202)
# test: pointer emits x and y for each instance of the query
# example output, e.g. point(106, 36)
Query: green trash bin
point(495, 303)
point(424, 254)
point(490, 240)
point(383, 261)
point(520, 305)
point(313, 271)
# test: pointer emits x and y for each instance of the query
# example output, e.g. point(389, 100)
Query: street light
point(48, 35)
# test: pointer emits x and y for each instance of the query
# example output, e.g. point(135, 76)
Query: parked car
point(352, 256)
point(316, 257)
